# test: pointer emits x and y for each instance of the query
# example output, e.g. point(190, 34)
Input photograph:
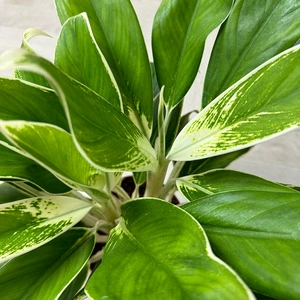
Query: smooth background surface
point(277, 159)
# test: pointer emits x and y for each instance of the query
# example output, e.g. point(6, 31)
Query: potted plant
point(69, 228)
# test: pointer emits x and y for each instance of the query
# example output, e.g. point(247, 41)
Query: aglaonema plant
point(69, 226)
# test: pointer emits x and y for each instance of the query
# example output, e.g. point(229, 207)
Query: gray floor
point(277, 159)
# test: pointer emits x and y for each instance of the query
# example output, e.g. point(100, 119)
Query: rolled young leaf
point(243, 43)
point(105, 136)
point(78, 55)
point(219, 181)
point(257, 234)
point(53, 148)
point(30, 223)
point(9, 193)
point(163, 253)
point(16, 166)
point(46, 272)
point(119, 37)
point(262, 105)
point(179, 32)
point(31, 76)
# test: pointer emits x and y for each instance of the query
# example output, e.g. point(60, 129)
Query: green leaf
point(45, 272)
point(28, 102)
point(30, 223)
point(10, 194)
point(180, 29)
point(257, 234)
point(53, 148)
point(78, 55)
point(75, 286)
point(105, 136)
point(163, 254)
point(197, 186)
point(260, 106)
point(251, 35)
point(119, 37)
point(31, 76)
point(16, 166)
point(211, 163)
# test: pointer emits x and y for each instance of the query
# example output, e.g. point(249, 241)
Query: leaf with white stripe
point(30, 223)
point(262, 105)
point(119, 37)
point(159, 241)
point(16, 166)
point(105, 136)
point(54, 149)
point(48, 270)
point(219, 181)
point(78, 55)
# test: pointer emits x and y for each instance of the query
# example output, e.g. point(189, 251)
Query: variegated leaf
point(105, 136)
point(119, 37)
point(219, 181)
point(54, 149)
point(78, 55)
point(262, 105)
point(30, 223)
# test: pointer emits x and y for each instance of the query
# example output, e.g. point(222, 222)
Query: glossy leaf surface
point(54, 149)
point(16, 166)
point(197, 186)
point(119, 37)
point(104, 135)
point(45, 272)
point(28, 102)
point(257, 234)
point(30, 223)
point(251, 35)
point(157, 240)
point(9, 193)
point(180, 29)
point(260, 106)
point(78, 55)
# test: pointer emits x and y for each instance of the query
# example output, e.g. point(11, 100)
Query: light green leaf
point(24, 101)
point(53, 148)
point(180, 29)
point(163, 254)
point(45, 272)
point(253, 33)
point(16, 166)
point(257, 234)
point(9, 194)
point(218, 181)
point(31, 76)
point(105, 136)
point(30, 223)
point(260, 106)
point(119, 37)
point(78, 55)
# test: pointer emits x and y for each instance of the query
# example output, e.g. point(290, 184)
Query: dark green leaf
point(258, 235)
point(179, 32)
point(253, 33)
point(9, 194)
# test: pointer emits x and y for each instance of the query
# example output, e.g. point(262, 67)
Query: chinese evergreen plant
point(69, 130)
